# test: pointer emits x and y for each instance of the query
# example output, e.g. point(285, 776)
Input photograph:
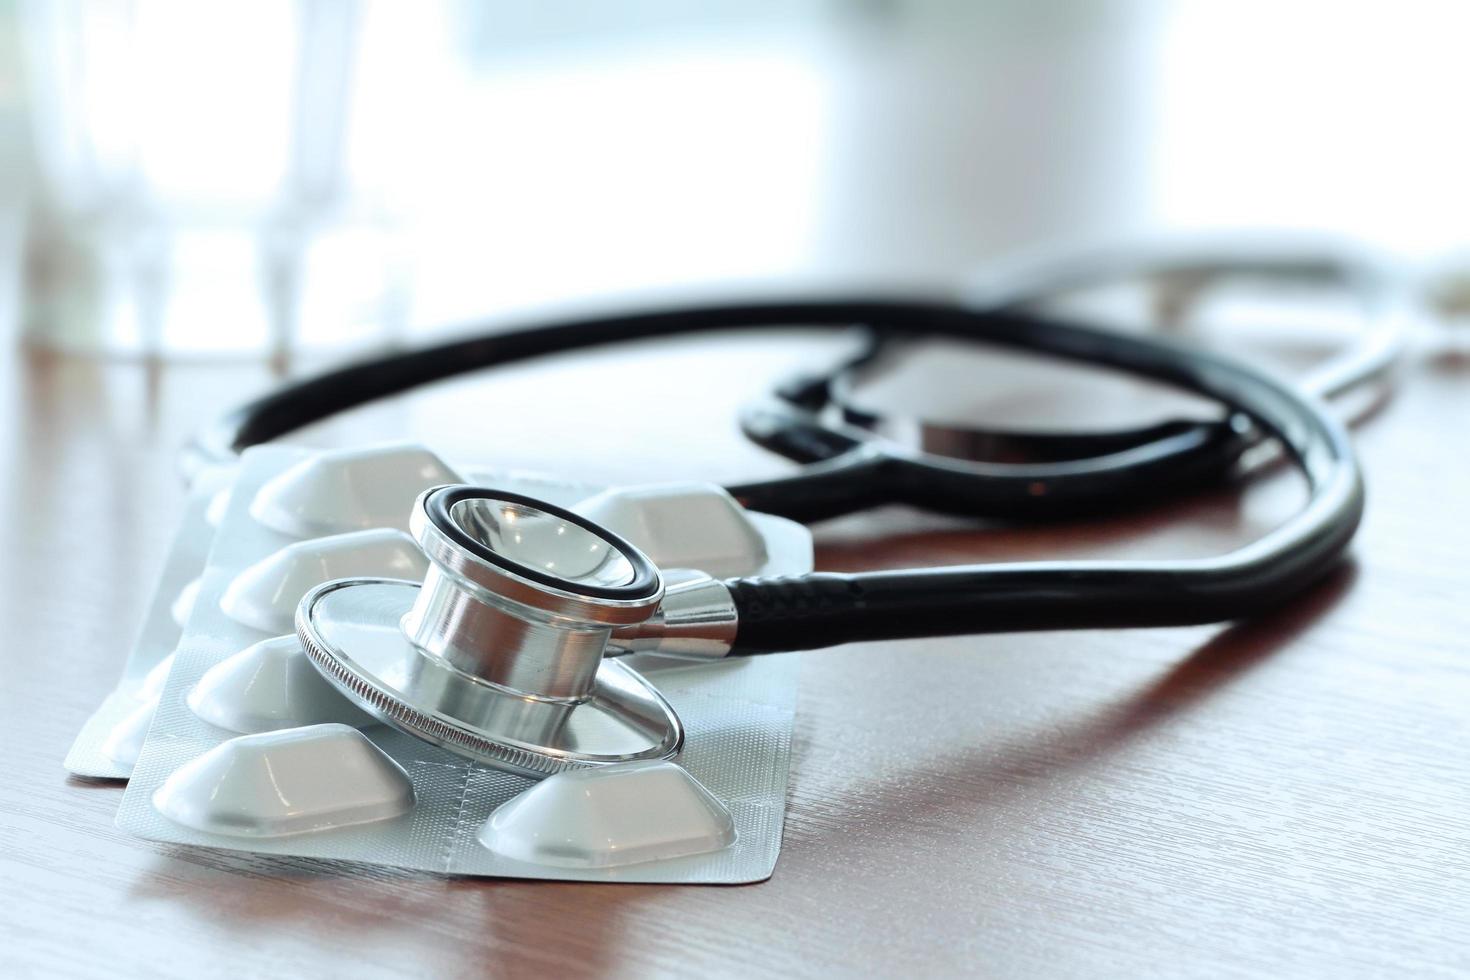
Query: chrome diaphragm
point(500, 654)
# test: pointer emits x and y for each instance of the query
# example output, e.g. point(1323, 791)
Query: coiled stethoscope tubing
point(825, 609)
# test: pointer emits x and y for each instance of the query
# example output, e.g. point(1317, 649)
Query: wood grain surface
point(1284, 797)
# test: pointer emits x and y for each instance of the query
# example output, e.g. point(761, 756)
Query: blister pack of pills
point(251, 748)
point(109, 742)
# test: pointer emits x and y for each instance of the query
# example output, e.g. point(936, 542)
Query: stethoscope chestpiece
point(499, 655)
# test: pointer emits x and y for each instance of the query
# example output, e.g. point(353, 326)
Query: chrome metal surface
point(351, 631)
point(519, 650)
point(577, 560)
point(536, 539)
point(500, 654)
point(696, 620)
point(503, 627)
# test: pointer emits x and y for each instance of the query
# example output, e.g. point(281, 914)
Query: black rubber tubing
point(1035, 475)
point(1048, 476)
point(1162, 462)
point(827, 609)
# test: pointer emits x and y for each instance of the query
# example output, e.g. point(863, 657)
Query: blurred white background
point(194, 179)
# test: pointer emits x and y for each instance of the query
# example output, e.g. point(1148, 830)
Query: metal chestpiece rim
point(499, 655)
point(538, 628)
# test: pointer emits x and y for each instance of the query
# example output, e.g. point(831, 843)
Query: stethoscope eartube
point(818, 418)
point(502, 653)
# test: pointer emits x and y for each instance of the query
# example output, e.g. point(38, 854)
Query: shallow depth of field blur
point(201, 180)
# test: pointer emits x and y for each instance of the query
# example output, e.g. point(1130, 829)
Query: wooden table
point(1288, 796)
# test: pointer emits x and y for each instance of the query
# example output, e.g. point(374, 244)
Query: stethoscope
point(506, 652)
